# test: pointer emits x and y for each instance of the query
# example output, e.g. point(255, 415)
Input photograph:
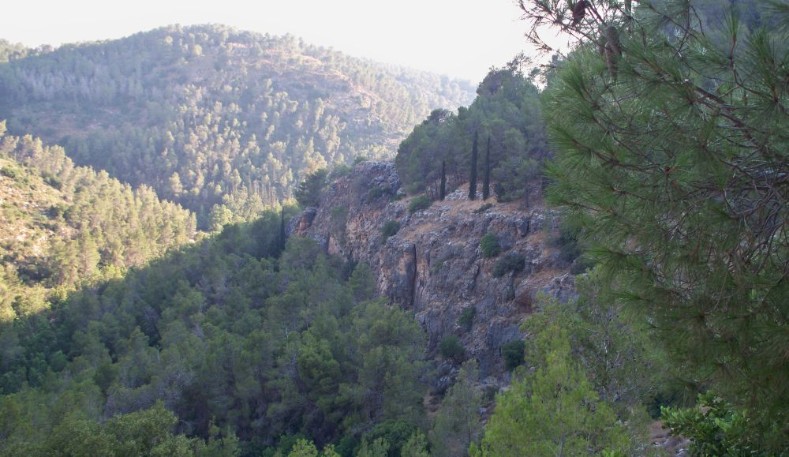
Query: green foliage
point(362, 283)
point(145, 433)
point(457, 422)
point(395, 433)
point(671, 157)
point(715, 428)
point(570, 249)
point(451, 348)
point(377, 192)
point(489, 245)
point(389, 228)
point(9, 172)
point(419, 203)
point(377, 448)
point(308, 192)
point(466, 319)
point(552, 411)
point(512, 353)
point(305, 448)
point(513, 262)
point(90, 227)
point(441, 152)
point(233, 340)
point(416, 446)
point(209, 115)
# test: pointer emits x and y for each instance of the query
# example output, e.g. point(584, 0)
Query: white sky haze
point(460, 38)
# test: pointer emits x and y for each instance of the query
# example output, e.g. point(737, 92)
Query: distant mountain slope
point(62, 225)
point(209, 115)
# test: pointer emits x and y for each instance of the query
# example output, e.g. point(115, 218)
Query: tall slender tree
point(486, 177)
point(472, 181)
point(443, 188)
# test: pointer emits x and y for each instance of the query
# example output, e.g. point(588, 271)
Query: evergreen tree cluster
point(234, 340)
point(64, 226)
point(499, 137)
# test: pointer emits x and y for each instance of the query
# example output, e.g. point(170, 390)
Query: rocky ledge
point(430, 260)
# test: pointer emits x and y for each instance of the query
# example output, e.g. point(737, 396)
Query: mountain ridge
point(215, 118)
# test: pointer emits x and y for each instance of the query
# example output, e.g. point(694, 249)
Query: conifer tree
point(486, 178)
point(552, 411)
point(443, 189)
point(283, 235)
point(458, 423)
point(472, 181)
point(676, 169)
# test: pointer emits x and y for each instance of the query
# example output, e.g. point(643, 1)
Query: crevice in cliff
point(474, 279)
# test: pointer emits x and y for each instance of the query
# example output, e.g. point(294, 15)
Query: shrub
point(376, 193)
point(419, 203)
point(489, 244)
point(451, 348)
point(483, 208)
point(512, 262)
point(308, 192)
point(513, 354)
point(715, 427)
point(466, 319)
point(8, 172)
point(389, 229)
point(339, 171)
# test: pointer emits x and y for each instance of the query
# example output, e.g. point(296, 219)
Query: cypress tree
point(472, 182)
point(486, 178)
point(443, 189)
point(282, 232)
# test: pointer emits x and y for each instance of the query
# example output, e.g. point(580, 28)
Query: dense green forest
point(221, 121)
point(663, 137)
point(670, 128)
point(63, 226)
point(240, 339)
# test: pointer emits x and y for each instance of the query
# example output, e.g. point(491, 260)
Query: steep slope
point(434, 265)
point(62, 225)
point(209, 115)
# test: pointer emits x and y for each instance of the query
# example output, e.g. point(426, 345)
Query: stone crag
point(433, 264)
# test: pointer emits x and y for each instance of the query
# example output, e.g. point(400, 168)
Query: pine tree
point(552, 411)
point(458, 423)
point(675, 167)
point(283, 235)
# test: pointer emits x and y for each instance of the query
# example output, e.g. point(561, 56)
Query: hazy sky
point(460, 38)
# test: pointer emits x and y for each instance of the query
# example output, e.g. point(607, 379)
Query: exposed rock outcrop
point(434, 266)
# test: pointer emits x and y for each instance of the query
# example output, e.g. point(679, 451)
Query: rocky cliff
point(434, 265)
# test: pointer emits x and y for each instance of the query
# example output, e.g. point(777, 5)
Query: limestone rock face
point(433, 264)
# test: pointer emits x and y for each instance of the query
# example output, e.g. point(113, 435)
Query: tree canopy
point(212, 116)
point(505, 118)
point(671, 132)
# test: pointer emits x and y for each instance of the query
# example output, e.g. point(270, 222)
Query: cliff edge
point(430, 260)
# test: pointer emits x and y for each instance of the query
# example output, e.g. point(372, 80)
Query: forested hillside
point(63, 226)
point(240, 337)
point(208, 115)
point(652, 294)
